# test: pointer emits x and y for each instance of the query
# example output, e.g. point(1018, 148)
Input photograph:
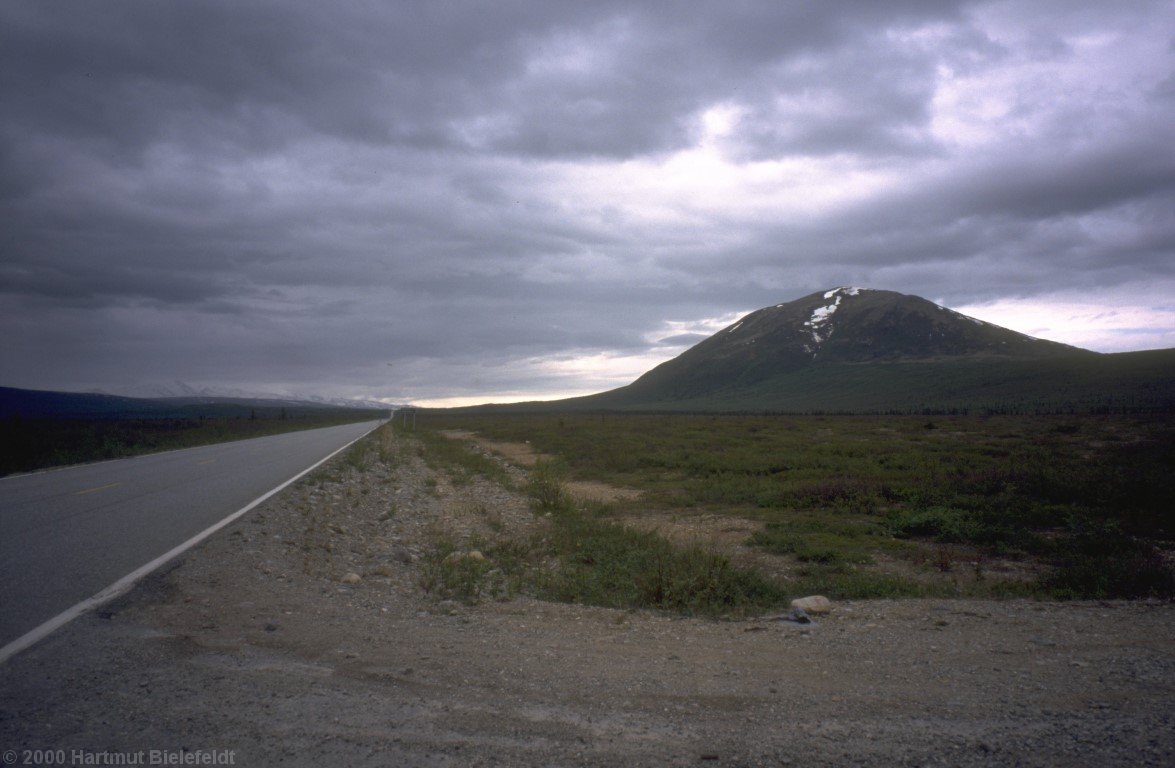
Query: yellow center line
point(206, 461)
point(99, 488)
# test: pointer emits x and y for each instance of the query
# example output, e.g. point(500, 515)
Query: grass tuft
point(607, 564)
point(546, 489)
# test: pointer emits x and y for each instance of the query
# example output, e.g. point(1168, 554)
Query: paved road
point(67, 534)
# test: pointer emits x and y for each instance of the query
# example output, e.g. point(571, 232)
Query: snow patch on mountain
point(818, 322)
point(821, 315)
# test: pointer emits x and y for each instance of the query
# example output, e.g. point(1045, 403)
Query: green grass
point(811, 540)
point(1086, 498)
point(585, 558)
point(497, 571)
point(604, 563)
point(461, 464)
point(607, 564)
point(546, 489)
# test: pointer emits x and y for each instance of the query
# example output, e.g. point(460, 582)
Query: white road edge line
point(126, 582)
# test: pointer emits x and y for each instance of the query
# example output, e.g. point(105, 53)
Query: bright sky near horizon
point(466, 202)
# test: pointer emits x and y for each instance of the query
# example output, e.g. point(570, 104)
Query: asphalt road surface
point(67, 534)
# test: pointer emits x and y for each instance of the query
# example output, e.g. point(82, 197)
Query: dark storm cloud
point(546, 78)
point(294, 195)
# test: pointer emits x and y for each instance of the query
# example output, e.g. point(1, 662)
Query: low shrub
point(461, 464)
point(608, 564)
point(942, 524)
point(358, 456)
point(812, 543)
point(603, 563)
point(546, 489)
point(483, 571)
point(1108, 564)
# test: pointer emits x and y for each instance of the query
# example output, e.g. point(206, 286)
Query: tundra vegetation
point(851, 506)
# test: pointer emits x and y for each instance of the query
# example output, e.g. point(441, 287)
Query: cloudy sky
point(454, 201)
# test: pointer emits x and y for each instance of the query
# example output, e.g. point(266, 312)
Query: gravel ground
point(301, 636)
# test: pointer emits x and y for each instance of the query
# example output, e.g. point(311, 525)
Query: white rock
point(813, 604)
point(351, 578)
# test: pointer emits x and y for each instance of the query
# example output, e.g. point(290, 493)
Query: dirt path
point(261, 642)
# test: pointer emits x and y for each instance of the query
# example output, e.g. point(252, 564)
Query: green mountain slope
point(1132, 382)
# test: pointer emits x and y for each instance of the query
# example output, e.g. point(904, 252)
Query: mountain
point(840, 326)
point(862, 350)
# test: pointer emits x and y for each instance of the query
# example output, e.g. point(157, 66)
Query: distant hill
point(41, 429)
point(40, 404)
point(861, 350)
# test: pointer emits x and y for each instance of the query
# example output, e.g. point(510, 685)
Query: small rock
point(799, 616)
point(813, 604)
point(455, 557)
point(351, 578)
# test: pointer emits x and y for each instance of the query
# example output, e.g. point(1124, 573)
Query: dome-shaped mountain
point(816, 339)
point(855, 350)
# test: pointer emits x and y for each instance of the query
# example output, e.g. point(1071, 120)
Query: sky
point(456, 202)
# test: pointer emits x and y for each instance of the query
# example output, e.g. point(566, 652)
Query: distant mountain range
point(862, 350)
point(36, 404)
point(179, 389)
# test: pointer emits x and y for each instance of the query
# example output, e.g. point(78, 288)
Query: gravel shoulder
point(262, 641)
